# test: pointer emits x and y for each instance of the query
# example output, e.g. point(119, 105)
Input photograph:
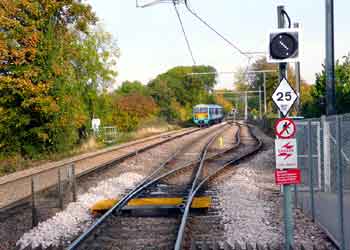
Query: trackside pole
point(34, 211)
point(329, 65)
point(265, 101)
point(74, 183)
point(246, 106)
point(260, 106)
point(288, 216)
point(287, 188)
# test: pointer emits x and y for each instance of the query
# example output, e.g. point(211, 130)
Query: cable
point(286, 14)
point(148, 4)
point(210, 27)
point(183, 30)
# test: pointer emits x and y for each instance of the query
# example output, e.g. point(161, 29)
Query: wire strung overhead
point(210, 27)
point(148, 3)
point(186, 2)
point(183, 31)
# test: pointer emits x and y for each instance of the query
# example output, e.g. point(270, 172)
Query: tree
point(256, 82)
point(130, 110)
point(342, 88)
point(94, 65)
point(220, 100)
point(178, 87)
point(130, 87)
point(51, 65)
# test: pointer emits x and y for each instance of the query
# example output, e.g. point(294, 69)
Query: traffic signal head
point(283, 46)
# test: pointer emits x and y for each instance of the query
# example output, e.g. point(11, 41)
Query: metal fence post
point(311, 172)
point(339, 165)
point(74, 183)
point(137, 157)
point(60, 191)
point(34, 211)
point(326, 155)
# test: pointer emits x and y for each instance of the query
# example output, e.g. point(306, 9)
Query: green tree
point(342, 88)
point(130, 87)
point(256, 82)
point(179, 87)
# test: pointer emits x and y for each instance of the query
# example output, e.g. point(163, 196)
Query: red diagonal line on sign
point(285, 155)
point(285, 128)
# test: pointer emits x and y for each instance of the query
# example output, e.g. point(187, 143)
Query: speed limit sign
point(284, 97)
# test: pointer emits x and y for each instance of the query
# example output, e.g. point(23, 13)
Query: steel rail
point(171, 135)
point(181, 231)
point(148, 181)
point(25, 200)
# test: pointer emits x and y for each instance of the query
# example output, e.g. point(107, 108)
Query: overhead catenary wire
point(215, 31)
point(148, 4)
point(184, 32)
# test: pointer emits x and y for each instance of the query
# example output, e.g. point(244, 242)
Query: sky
point(151, 40)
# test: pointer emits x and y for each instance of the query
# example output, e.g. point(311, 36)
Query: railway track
point(175, 177)
point(17, 218)
point(15, 188)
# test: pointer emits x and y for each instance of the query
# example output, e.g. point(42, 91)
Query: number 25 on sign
point(284, 97)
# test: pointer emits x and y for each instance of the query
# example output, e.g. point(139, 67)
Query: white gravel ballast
point(245, 212)
point(76, 217)
point(251, 207)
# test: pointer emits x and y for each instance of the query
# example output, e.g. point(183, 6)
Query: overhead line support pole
point(330, 83)
point(297, 79)
point(260, 106)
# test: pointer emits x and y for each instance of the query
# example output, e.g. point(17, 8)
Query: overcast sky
point(151, 40)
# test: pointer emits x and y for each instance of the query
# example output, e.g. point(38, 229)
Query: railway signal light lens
point(283, 46)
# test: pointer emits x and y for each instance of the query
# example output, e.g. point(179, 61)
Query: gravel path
point(252, 205)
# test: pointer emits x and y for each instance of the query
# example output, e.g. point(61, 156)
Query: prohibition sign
point(285, 128)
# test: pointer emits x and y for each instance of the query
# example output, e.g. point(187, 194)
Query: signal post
point(283, 47)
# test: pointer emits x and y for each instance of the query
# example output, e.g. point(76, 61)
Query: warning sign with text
point(286, 153)
point(289, 176)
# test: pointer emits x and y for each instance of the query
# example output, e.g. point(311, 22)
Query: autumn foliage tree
point(50, 69)
point(131, 110)
point(221, 100)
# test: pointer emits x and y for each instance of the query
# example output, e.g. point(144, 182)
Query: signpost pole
point(287, 189)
